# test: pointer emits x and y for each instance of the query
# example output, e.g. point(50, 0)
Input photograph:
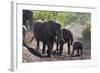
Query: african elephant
point(67, 38)
point(46, 32)
point(78, 46)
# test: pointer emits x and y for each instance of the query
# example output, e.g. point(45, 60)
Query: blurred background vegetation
point(64, 18)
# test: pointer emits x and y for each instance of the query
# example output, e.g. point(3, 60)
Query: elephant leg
point(37, 45)
point(68, 48)
point(57, 46)
point(52, 43)
point(73, 52)
point(61, 48)
point(78, 52)
point(44, 47)
point(49, 50)
point(81, 51)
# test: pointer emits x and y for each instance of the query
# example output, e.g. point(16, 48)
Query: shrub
point(86, 34)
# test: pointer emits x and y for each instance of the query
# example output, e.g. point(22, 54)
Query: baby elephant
point(78, 46)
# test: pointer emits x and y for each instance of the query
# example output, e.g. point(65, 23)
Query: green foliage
point(87, 33)
point(65, 18)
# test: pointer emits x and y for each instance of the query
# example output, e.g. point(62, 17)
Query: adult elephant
point(67, 38)
point(46, 32)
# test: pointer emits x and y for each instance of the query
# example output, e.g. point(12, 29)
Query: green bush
point(87, 34)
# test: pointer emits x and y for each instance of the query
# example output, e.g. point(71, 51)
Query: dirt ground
point(27, 56)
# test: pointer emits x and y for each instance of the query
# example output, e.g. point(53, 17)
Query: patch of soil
point(29, 57)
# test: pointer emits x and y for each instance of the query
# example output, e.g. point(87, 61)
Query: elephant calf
point(78, 46)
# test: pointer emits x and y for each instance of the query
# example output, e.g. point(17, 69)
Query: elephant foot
point(59, 54)
point(43, 52)
point(48, 56)
point(78, 55)
point(49, 53)
point(68, 53)
point(54, 52)
point(75, 55)
point(72, 55)
point(37, 49)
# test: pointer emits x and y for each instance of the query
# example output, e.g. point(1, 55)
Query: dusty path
point(29, 57)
